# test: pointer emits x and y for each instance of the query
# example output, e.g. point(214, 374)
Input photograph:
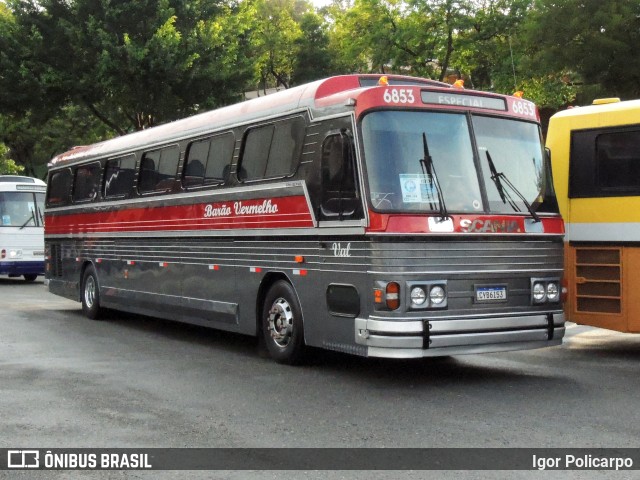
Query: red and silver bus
point(379, 216)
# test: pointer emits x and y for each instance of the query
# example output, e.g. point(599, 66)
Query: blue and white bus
point(22, 226)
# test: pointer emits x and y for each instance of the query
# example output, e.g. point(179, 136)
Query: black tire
point(90, 294)
point(282, 324)
point(30, 277)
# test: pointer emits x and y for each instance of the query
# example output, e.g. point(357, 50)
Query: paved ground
point(133, 381)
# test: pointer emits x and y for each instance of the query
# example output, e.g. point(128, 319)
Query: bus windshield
point(18, 209)
point(418, 160)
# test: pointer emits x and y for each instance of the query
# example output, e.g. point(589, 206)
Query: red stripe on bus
point(285, 212)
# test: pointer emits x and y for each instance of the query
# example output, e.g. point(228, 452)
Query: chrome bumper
point(410, 338)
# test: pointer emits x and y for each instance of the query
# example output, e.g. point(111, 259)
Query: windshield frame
point(544, 197)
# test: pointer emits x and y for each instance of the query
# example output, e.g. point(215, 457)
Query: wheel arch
point(269, 279)
point(86, 264)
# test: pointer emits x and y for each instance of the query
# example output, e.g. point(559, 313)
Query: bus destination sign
point(464, 100)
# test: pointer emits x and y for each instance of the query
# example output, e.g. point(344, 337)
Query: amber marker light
point(299, 259)
point(518, 94)
point(458, 84)
point(383, 81)
point(377, 295)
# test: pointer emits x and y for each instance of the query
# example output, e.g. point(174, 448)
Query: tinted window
point(208, 161)
point(119, 174)
point(59, 188)
point(158, 169)
point(618, 159)
point(604, 162)
point(340, 197)
point(272, 151)
point(86, 182)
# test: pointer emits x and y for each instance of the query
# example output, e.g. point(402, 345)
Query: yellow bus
point(595, 153)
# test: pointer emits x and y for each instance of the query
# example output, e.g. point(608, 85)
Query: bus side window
point(59, 188)
point(207, 160)
point(119, 175)
point(86, 182)
point(158, 170)
point(272, 151)
point(340, 197)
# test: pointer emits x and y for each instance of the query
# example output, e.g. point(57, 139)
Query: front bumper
point(411, 338)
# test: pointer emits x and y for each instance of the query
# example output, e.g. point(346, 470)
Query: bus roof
point(612, 107)
point(330, 92)
point(20, 179)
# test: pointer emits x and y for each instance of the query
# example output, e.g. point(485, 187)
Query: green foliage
point(595, 40)
point(8, 166)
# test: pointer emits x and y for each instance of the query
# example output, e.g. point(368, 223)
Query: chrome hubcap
point(281, 322)
point(90, 291)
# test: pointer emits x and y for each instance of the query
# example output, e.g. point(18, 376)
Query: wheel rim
point(281, 322)
point(90, 291)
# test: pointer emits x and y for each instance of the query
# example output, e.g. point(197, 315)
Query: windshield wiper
point(498, 178)
point(31, 219)
point(429, 170)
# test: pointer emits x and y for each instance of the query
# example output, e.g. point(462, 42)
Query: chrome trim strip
point(529, 321)
point(465, 350)
point(394, 342)
point(255, 232)
point(555, 313)
point(459, 340)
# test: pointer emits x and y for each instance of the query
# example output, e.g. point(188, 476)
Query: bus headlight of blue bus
point(545, 290)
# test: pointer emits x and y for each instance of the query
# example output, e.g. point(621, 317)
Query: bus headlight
point(437, 295)
point(538, 292)
point(545, 290)
point(418, 296)
point(553, 292)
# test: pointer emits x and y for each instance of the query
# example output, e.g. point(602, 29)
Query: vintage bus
point(595, 152)
point(22, 228)
point(382, 216)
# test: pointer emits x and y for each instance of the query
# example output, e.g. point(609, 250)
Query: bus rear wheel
point(30, 277)
point(91, 294)
point(282, 324)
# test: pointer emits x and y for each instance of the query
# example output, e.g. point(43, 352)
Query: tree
point(8, 166)
point(135, 64)
point(313, 55)
point(274, 38)
point(596, 41)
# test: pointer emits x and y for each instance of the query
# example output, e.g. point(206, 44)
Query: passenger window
point(119, 174)
point(618, 160)
point(272, 151)
point(158, 169)
point(59, 188)
point(208, 161)
point(340, 196)
point(86, 182)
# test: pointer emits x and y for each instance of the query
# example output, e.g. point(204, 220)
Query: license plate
point(491, 294)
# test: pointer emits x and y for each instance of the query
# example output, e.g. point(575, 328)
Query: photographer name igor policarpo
point(582, 462)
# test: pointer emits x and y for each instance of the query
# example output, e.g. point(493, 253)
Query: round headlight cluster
point(545, 292)
point(420, 297)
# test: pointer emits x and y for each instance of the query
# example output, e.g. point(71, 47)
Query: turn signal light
point(392, 295)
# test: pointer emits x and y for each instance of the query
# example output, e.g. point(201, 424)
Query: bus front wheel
point(282, 324)
point(30, 277)
point(90, 294)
